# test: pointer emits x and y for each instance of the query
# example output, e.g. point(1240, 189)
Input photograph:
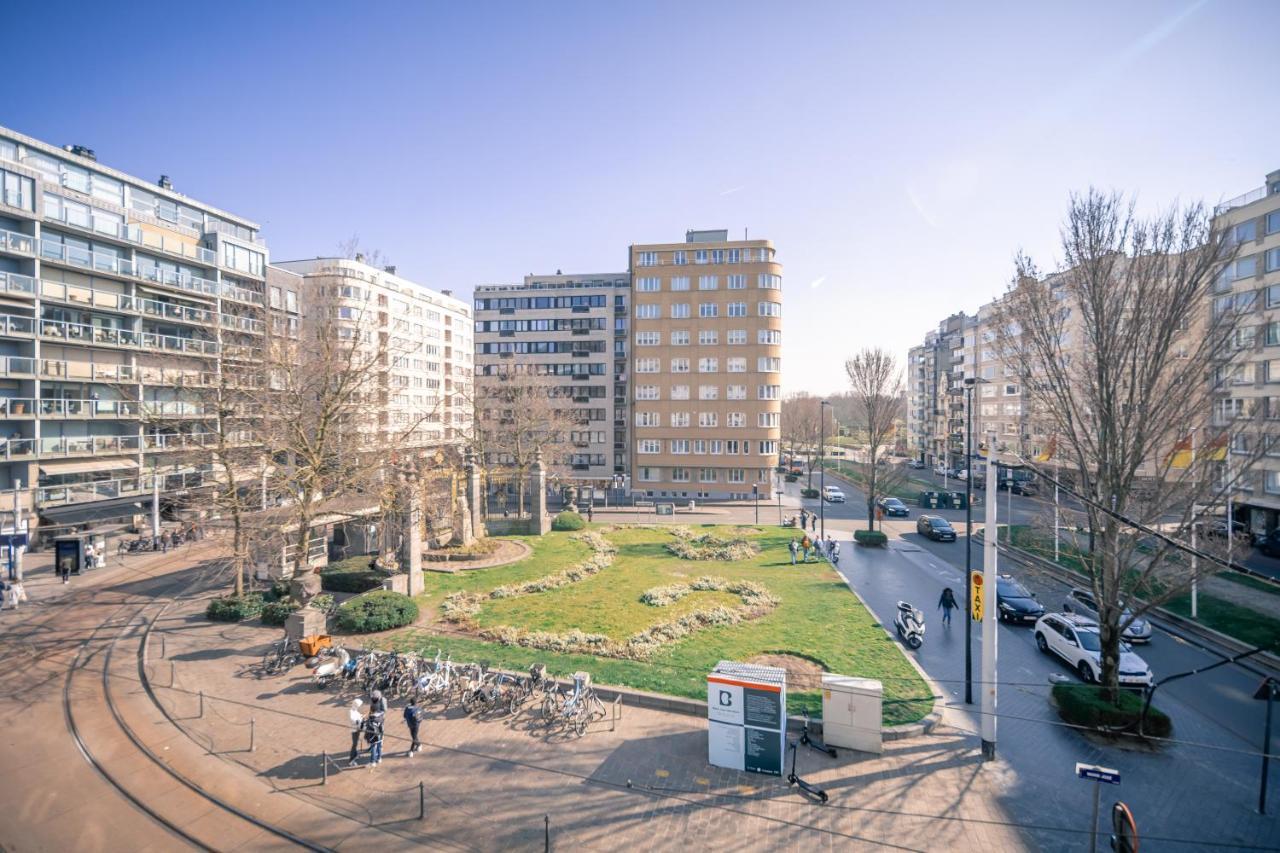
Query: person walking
point(412, 719)
point(813, 522)
point(793, 547)
point(948, 603)
point(356, 720)
point(164, 541)
point(64, 568)
point(805, 544)
point(373, 737)
point(804, 519)
point(377, 703)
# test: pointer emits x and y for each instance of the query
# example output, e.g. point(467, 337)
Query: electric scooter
point(811, 790)
point(812, 742)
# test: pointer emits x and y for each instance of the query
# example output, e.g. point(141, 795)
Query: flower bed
point(709, 546)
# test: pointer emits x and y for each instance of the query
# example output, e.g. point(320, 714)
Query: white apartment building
point(425, 388)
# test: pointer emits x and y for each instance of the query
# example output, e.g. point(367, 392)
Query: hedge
point(1087, 705)
point(870, 538)
point(275, 612)
point(232, 609)
point(568, 521)
point(377, 611)
point(354, 574)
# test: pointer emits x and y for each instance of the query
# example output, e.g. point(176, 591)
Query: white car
point(942, 470)
point(833, 495)
point(1075, 639)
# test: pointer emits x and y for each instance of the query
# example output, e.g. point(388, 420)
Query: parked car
point(1014, 603)
point(915, 464)
point(942, 469)
point(1269, 544)
point(893, 507)
point(1024, 487)
point(1216, 528)
point(1075, 639)
point(832, 494)
point(936, 528)
point(1081, 602)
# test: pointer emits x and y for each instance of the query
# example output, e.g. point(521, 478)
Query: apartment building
point(121, 298)
point(936, 410)
point(706, 367)
point(1250, 385)
point(423, 338)
point(573, 327)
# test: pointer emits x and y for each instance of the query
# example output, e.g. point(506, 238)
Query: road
point(1217, 724)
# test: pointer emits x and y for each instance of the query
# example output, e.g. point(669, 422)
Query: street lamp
point(822, 476)
point(970, 383)
point(990, 577)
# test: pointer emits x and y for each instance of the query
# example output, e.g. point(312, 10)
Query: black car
point(1269, 544)
point(893, 506)
point(1217, 529)
point(1014, 603)
point(935, 527)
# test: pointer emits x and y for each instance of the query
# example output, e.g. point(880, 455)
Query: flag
point(1180, 456)
point(1049, 450)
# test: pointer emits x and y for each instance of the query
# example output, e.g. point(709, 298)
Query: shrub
point(568, 521)
point(355, 574)
point(377, 611)
point(1087, 705)
point(791, 478)
point(232, 609)
point(275, 612)
point(870, 538)
point(808, 493)
point(323, 601)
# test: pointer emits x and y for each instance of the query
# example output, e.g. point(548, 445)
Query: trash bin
point(944, 500)
point(928, 500)
point(852, 712)
point(958, 500)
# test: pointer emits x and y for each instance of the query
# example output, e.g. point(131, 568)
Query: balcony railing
point(17, 448)
point(174, 409)
point(12, 241)
point(11, 324)
point(86, 371)
point(124, 487)
point(89, 445)
point(179, 247)
point(12, 282)
point(1241, 200)
point(107, 225)
point(17, 366)
point(102, 262)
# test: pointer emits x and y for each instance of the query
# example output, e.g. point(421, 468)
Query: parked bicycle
point(281, 657)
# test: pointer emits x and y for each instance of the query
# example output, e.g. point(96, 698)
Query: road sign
point(975, 594)
point(1098, 773)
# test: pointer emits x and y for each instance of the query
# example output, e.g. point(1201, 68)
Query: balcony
point(106, 489)
point(16, 243)
point(17, 448)
point(17, 366)
point(11, 282)
point(93, 445)
point(60, 330)
point(116, 265)
point(1241, 200)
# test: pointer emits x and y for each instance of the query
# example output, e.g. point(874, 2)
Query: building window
point(680, 446)
point(680, 282)
point(708, 365)
point(768, 364)
point(1012, 390)
point(647, 365)
point(769, 337)
point(679, 420)
point(1272, 482)
point(736, 282)
point(737, 336)
point(647, 259)
point(706, 475)
point(646, 392)
point(648, 339)
point(679, 257)
point(737, 309)
point(736, 392)
point(708, 282)
point(768, 281)
point(1273, 260)
point(708, 309)
point(648, 285)
point(650, 475)
point(680, 338)
point(648, 445)
point(768, 392)
point(647, 311)
point(708, 337)
point(708, 392)
point(679, 475)
point(768, 419)
point(735, 419)
point(708, 419)
point(18, 190)
point(699, 256)
point(679, 365)
point(737, 475)
point(679, 392)
point(769, 309)
point(647, 419)
point(715, 447)
point(680, 311)
point(736, 365)
point(767, 447)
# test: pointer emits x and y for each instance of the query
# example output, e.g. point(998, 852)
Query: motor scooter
point(910, 625)
point(330, 668)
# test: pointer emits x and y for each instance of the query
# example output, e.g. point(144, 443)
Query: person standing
point(948, 603)
point(377, 703)
point(373, 736)
point(793, 547)
point(813, 522)
point(356, 721)
point(64, 567)
point(412, 719)
point(805, 545)
point(804, 519)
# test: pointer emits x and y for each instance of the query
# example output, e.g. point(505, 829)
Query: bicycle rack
point(616, 712)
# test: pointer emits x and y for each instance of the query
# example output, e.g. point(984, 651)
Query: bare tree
point(1116, 351)
point(519, 416)
point(801, 427)
point(875, 383)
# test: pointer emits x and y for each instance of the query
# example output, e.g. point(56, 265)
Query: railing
point(17, 448)
point(62, 330)
point(167, 343)
point(98, 225)
point(102, 262)
point(12, 324)
point(182, 281)
point(12, 241)
point(79, 408)
point(79, 294)
point(1241, 200)
point(105, 489)
point(179, 247)
point(223, 228)
point(89, 445)
point(174, 409)
point(17, 366)
point(12, 282)
point(83, 370)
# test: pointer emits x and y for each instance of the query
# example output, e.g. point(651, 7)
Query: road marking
point(662, 774)
point(701, 780)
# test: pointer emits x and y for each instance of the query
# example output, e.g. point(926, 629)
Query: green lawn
point(818, 618)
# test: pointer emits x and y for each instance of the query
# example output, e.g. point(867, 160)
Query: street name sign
point(1098, 773)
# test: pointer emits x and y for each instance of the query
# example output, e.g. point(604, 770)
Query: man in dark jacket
point(412, 719)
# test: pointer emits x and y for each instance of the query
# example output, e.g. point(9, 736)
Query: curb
point(1263, 664)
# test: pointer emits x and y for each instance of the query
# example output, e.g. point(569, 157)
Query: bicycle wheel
point(581, 719)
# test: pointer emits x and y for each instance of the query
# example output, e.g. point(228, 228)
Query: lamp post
point(989, 634)
point(822, 474)
point(969, 384)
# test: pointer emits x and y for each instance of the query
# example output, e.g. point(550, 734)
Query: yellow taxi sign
point(975, 595)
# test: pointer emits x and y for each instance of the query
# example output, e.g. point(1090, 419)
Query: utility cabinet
point(852, 712)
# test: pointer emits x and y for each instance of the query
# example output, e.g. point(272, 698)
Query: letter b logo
point(726, 699)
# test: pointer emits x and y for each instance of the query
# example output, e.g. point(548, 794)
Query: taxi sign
point(1098, 773)
point(975, 595)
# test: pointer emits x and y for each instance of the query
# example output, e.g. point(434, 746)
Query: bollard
point(173, 675)
point(546, 837)
point(251, 734)
point(324, 768)
point(162, 652)
point(422, 801)
point(201, 704)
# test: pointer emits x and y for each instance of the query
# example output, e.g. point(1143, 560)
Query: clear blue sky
point(897, 154)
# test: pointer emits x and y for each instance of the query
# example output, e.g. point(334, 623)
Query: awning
point(88, 466)
point(96, 511)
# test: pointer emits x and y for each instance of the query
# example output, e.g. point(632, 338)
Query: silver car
point(1081, 602)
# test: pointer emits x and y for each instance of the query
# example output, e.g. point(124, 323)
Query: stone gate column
point(540, 524)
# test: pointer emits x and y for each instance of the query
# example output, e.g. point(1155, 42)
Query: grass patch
point(1086, 705)
point(1251, 582)
point(817, 617)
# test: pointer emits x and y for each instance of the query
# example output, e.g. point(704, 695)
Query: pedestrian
point(412, 718)
point(377, 703)
point(806, 543)
point(64, 567)
point(155, 542)
point(164, 541)
point(793, 547)
point(813, 522)
point(373, 737)
point(90, 556)
point(356, 720)
point(590, 511)
point(804, 519)
point(5, 591)
point(948, 603)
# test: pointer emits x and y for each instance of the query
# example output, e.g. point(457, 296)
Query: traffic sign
point(1098, 773)
point(975, 594)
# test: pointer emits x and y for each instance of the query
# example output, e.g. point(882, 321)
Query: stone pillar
point(474, 496)
point(540, 524)
point(413, 530)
